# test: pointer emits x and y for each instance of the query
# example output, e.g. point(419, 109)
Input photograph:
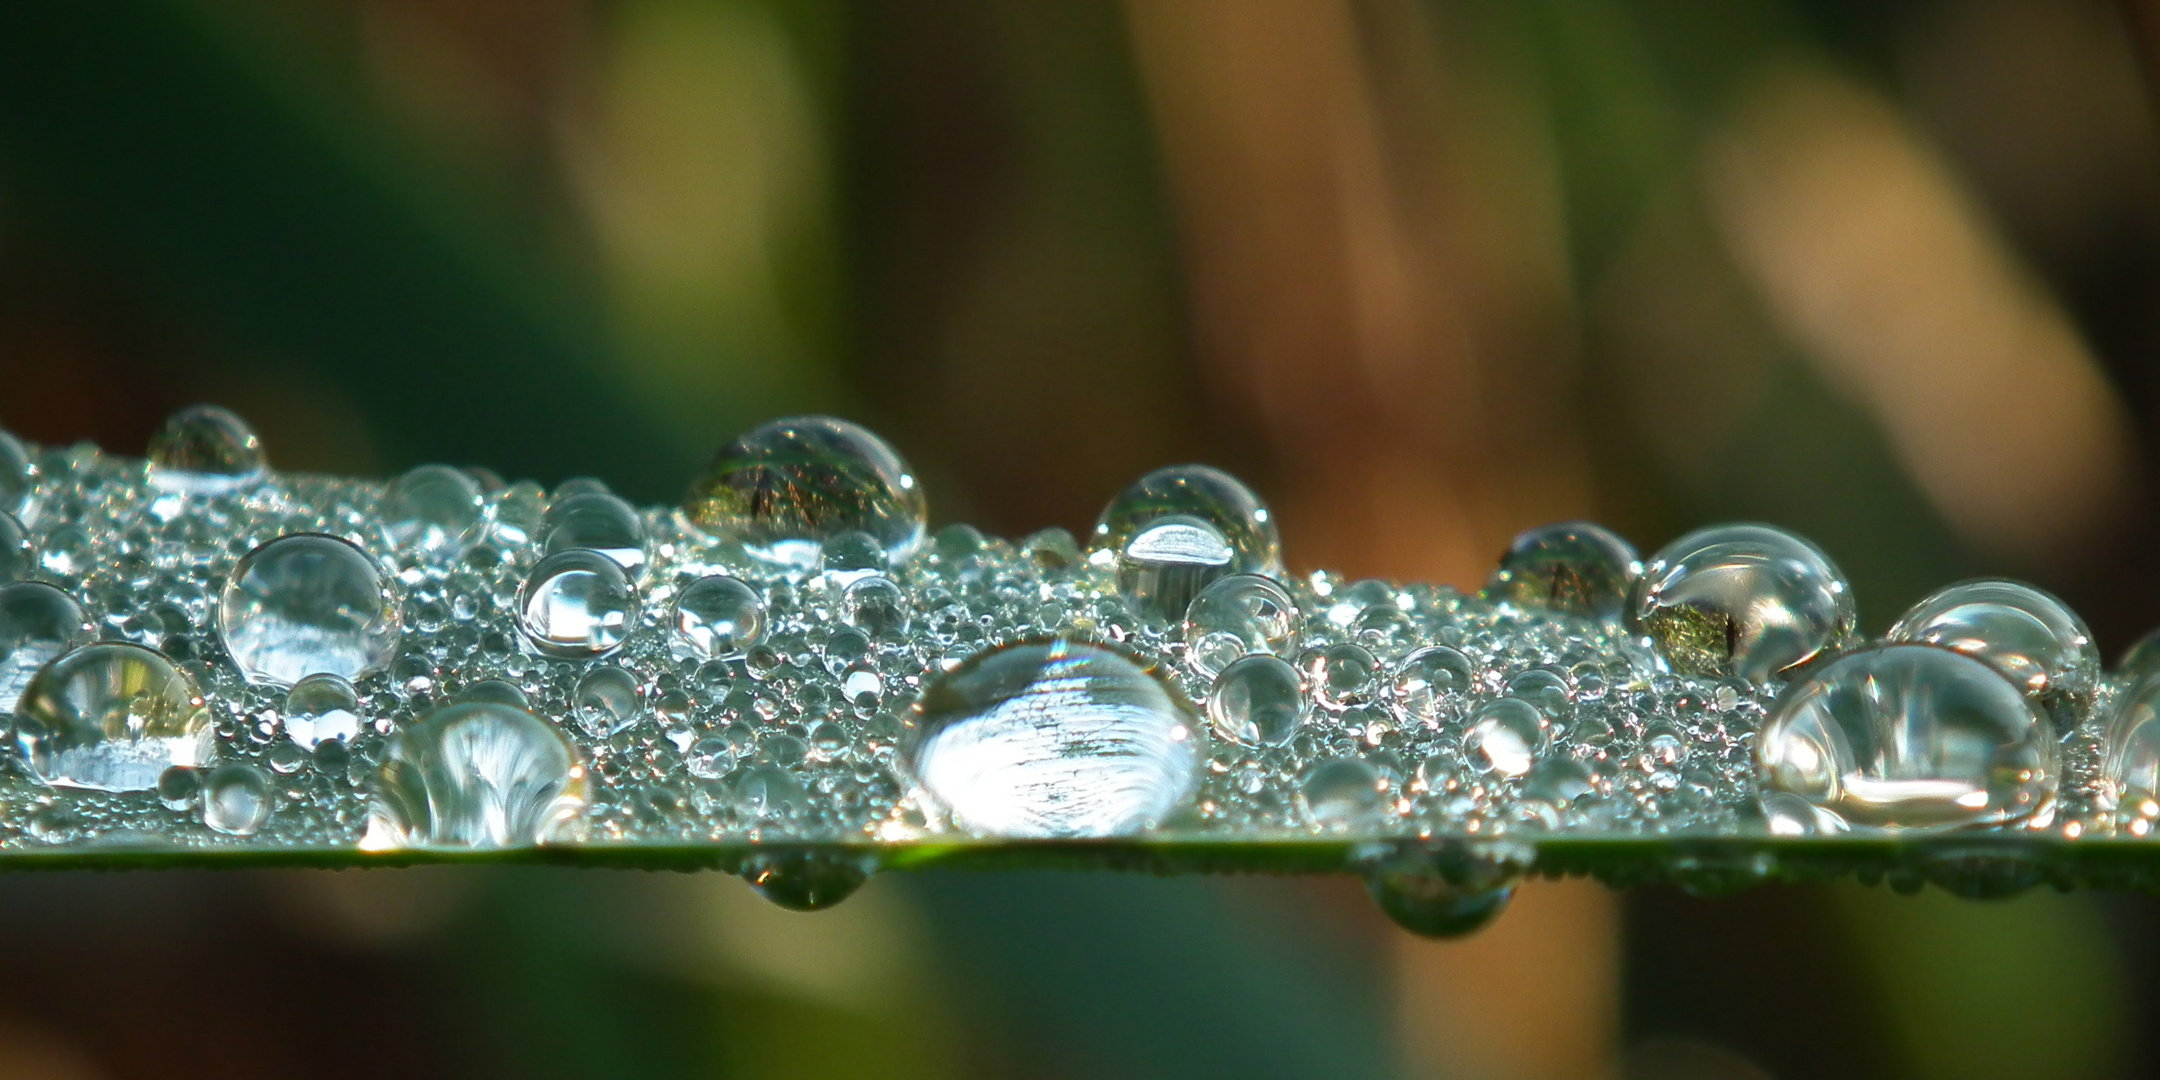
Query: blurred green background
point(1426, 273)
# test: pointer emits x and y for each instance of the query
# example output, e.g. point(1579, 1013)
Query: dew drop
point(2142, 658)
point(1054, 739)
point(1259, 699)
point(308, 604)
point(319, 709)
point(16, 481)
point(807, 880)
point(434, 512)
point(236, 799)
point(1342, 675)
point(205, 450)
point(1167, 563)
point(1236, 616)
point(1909, 736)
point(111, 717)
point(1414, 895)
point(1573, 567)
point(1557, 780)
point(770, 792)
point(476, 775)
point(850, 557)
point(2133, 750)
point(1342, 793)
point(1430, 681)
point(38, 623)
point(783, 488)
point(718, 616)
point(607, 701)
point(498, 691)
point(17, 559)
point(2034, 639)
point(1746, 600)
point(577, 604)
point(1504, 737)
point(68, 552)
point(595, 521)
point(877, 607)
point(1196, 491)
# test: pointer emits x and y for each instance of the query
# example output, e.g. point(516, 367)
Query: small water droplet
point(850, 557)
point(718, 616)
point(2034, 639)
point(1542, 688)
point(1415, 895)
point(1237, 615)
point(1746, 600)
point(1343, 793)
point(434, 512)
point(179, 787)
point(205, 450)
point(783, 488)
point(320, 709)
point(307, 604)
point(1054, 739)
point(476, 775)
point(1557, 780)
point(2133, 750)
point(807, 880)
point(768, 791)
point(37, 624)
point(1573, 567)
point(1052, 550)
point(878, 607)
point(1430, 681)
point(1910, 736)
point(1342, 675)
point(17, 559)
point(17, 483)
point(111, 717)
point(236, 799)
point(607, 701)
point(1504, 737)
point(577, 604)
point(595, 521)
point(67, 552)
point(1196, 491)
point(499, 691)
point(1167, 563)
point(1259, 699)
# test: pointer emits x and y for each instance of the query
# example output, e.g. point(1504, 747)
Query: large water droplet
point(1910, 736)
point(1746, 600)
point(320, 709)
point(577, 604)
point(1259, 699)
point(16, 481)
point(1167, 563)
point(434, 512)
point(205, 450)
point(476, 775)
point(111, 717)
point(236, 799)
point(1196, 491)
point(718, 616)
point(1054, 739)
point(783, 488)
point(308, 604)
point(596, 521)
point(1416, 896)
point(2034, 639)
point(808, 880)
point(16, 557)
point(37, 624)
point(1573, 567)
point(1237, 615)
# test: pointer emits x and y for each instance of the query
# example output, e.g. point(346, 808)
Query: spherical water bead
point(111, 717)
point(1909, 736)
point(1504, 737)
point(17, 559)
point(236, 799)
point(1054, 739)
point(1167, 563)
point(1256, 700)
point(1342, 675)
point(319, 709)
point(16, 480)
point(850, 557)
point(595, 521)
point(577, 604)
point(37, 624)
point(1414, 895)
point(1196, 491)
point(1573, 567)
point(1558, 780)
point(1746, 600)
point(783, 488)
point(205, 450)
point(308, 604)
point(607, 701)
point(1542, 688)
point(2142, 657)
point(2034, 639)
point(1429, 680)
point(770, 792)
point(718, 616)
point(801, 880)
point(2133, 750)
point(476, 775)
point(1236, 616)
point(498, 691)
point(877, 607)
point(1342, 793)
point(434, 512)
point(67, 552)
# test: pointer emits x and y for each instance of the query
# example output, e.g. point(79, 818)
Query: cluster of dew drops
point(198, 651)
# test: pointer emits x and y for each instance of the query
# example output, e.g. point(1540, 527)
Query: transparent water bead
point(37, 624)
point(1416, 896)
point(1196, 491)
point(1910, 737)
point(1746, 600)
point(308, 604)
point(434, 512)
point(1343, 793)
point(1573, 567)
point(1257, 700)
point(595, 521)
point(16, 557)
point(1504, 737)
point(718, 616)
point(112, 717)
point(1235, 616)
point(1167, 563)
point(2142, 658)
point(2034, 639)
point(17, 482)
point(205, 450)
point(319, 709)
point(476, 775)
point(236, 799)
point(607, 701)
point(783, 488)
point(1431, 681)
point(1342, 675)
point(878, 607)
point(2133, 751)
point(808, 880)
point(577, 604)
point(1054, 739)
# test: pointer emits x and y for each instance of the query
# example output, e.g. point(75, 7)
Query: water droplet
point(1558, 780)
point(1417, 897)
point(67, 552)
point(769, 791)
point(782, 488)
point(607, 701)
point(876, 606)
point(2142, 657)
point(179, 787)
point(2034, 639)
point(306, 604)
point(1237, 615)
point(1910, 736)
point(1259, 699)
point(1430, 681)
point(1343, 793)
point(1342, 675)
point(111, 717)
point(236, 799)
point(718, 616)
point(498, 691)
point(1196, 491)
point(1167, 563)
point(2133, 750)
point(37, 624)
point(1573, 567)
point(808, 880)
point(595, 521)
point(850, 557)
point(1746, 600)
point(16, 481)
point(476, 775)
point(1542, 688)
point(434, 512)
point(1052, 550)
point(577, 604)
point(16, 557)
point(1054, 739)
point(320, 709)
point(1786, 814)
point(1504, 737)
point(205, 450)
